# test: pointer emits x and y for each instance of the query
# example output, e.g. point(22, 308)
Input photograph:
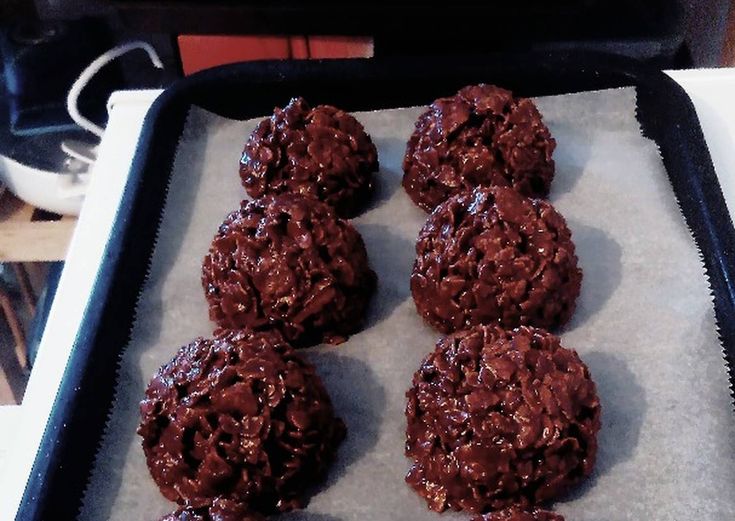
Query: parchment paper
point(644, 325)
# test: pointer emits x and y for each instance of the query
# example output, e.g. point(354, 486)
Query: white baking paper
point(644, 325)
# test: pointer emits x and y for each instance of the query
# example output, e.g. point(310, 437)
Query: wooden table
point(28, 234)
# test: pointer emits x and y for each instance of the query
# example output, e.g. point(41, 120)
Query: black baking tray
point(75, 427)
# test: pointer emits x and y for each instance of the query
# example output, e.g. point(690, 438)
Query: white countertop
point(22, 436)
point(712, 90)
point(21, 427)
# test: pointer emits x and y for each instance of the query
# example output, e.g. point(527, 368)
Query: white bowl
point(51, 191)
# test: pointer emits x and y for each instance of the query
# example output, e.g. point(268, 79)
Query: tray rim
point(664, 111)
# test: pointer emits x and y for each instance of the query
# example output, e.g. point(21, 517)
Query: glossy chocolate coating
point(482, 136)
point(499, 418)
point(495, 256)
point(239, 417)
point(323, 152)
point(519, 514)
point(288, 262)
point(220, 510)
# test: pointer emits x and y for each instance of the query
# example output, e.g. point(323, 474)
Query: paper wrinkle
point(644, 325)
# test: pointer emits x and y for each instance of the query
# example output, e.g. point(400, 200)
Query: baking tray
point(75, 427)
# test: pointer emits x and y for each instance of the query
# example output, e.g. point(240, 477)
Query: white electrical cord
point(75, 153)
point(73, 98)
point(75, 185)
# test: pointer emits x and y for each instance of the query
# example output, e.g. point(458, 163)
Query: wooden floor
point(29, 239)
point(12, 378)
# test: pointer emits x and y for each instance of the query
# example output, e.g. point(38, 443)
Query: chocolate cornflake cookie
point(500, 418)
point(519, 514)
point(323, 152)
point(239, 417)
point(220, 510)
point(495, 256)
point(482, 136)
point(288, 262)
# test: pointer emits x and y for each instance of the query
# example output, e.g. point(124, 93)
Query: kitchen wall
point(706, 22)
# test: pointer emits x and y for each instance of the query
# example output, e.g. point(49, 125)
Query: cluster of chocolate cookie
point(501, 418)
point(239, 418)
point(236, 427)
